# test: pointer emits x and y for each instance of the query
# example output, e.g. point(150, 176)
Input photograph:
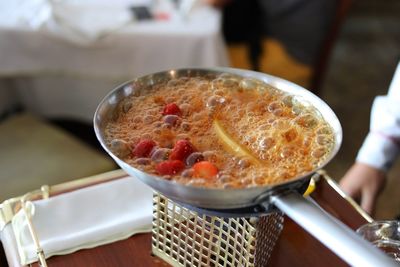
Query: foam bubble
point(229, 83)
point(249, 84)
point(142, 161)
point(278, 112)
point(266, 143)
point(276, 105)
point(280, 124)
point(173, 83)
point(203, 86)
point(216, 84)
point(120, 147)
point(288, 101)
point(324, 130)
point(318, 152)
point(290, 135)
point(193, 158)
point(160, 154)
point(185, 126)
point(126, 106)
point(170, 99)
point(323, 139)
point(148, 119)
point(307, 121)
point(225, 178)
point(287, 152)
point(214, 101)
point(188, 173)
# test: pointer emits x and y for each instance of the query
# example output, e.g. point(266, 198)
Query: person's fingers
point(347, 185)
point(368, 202)
point(354, 194)
point(363, 183)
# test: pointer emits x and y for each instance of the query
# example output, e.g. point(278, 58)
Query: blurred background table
point(61, 68)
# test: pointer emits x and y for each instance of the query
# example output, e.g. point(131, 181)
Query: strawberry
point(143, 148)
point(170, 167)
point(204, 169)
point(182, 149)
point(171, 109)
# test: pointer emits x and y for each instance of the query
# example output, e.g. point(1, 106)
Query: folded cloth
point(85, 218)
point(80, 22)
point(24, 13)
point(86, 22)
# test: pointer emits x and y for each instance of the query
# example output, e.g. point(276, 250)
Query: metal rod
point(331, 232)
point(32, 231)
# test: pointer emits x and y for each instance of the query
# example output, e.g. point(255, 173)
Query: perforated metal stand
point(183, 237)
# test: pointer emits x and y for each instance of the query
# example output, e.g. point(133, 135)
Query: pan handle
point(331, 232)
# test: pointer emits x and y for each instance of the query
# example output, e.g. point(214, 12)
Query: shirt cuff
point(378, 151)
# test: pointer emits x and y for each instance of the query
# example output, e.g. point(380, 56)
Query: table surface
point(135, 48)
point(295, 247)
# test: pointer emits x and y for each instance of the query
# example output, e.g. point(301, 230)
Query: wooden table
point(295, 247)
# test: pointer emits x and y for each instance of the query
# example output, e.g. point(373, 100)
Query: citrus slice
point(230, 144)
point(311, 187)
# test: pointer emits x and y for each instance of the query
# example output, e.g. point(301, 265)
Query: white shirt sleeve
point(382, 144)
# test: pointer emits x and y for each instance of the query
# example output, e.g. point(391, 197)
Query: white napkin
point(85, 218)
point(24, 13)
point(78, 21)
point(85, 22)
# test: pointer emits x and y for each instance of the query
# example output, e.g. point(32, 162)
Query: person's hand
point(364, 183)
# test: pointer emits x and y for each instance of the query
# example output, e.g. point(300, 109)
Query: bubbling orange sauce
point(287, 137)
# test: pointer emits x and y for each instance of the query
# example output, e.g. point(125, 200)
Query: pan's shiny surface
point(206, 197)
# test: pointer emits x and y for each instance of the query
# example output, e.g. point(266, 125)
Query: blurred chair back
point(320, 68)
point(251, 47)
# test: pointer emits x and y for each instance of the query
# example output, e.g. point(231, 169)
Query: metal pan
point(285, 196)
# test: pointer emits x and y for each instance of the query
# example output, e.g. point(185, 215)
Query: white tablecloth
point(61, 75)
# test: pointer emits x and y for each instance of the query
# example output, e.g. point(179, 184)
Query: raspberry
point(171, 109)
point(182, 149)
point(170, 167)
point(143, 148)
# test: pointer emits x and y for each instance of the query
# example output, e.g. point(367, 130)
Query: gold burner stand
point(182, 237)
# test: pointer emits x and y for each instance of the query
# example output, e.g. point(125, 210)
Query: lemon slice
point(311, 187)
point(231, 144)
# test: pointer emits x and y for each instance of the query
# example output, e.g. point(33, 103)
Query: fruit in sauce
point(182, 149)
point(143, 148)
point(231, 144)
point(170, 167)
point(205, 169)
point(171, 109)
